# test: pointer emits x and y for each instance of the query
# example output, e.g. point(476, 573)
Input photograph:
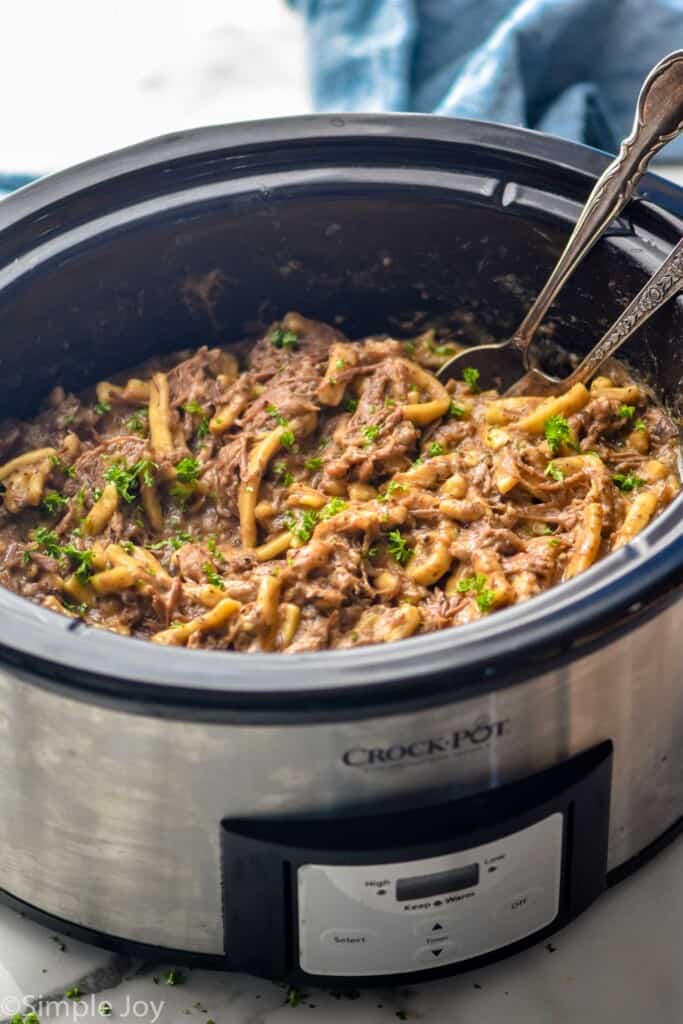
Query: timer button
point(436, 954)
point(433, 927)
point(348, 938)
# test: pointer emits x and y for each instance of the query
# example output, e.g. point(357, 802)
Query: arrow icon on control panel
point(437, 927)
point(437, 952)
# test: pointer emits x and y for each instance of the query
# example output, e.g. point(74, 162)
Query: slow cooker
point(387, 812)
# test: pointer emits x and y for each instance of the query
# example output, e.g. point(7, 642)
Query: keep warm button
point(347, 937)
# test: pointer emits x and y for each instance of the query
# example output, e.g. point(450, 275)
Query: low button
point(436, 954)
point(348, 938)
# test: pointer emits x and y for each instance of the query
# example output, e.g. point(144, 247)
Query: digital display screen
point(422, 886)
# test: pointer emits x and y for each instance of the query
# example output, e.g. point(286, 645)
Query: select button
point(348, 938)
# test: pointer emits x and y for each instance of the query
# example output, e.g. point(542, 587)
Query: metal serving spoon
point(662, 286)
point(658, 119)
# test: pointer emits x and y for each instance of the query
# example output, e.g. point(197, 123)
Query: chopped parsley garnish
point(557, 433)
point(313, 464)
point(554, 472)
point(476, 585)
point(195, 409)
point(212, 545)
point(288, 438)
point(440, 350)
point(58, 464)
point(273, 411)
point(409, 346)
point(455, 410)
point(340, 364)
point(389, 403)
point(627, 481)
point(83, 560)
point(187, 471)
point(214, 578)
point(105, 1009)
point(126, 479)
point(48, 541)
point(370, 434)
point(174, 542)
point(435, 448)
point(471, 378)
point(399, 548)
point(302, 526)
point(294, 997)
point(419, 461)
point(391, 488)
point(137, 424)
point(626, 411)
point(333, 508)
point(54, 502)
point(371, 552)
point(128, 546)
point(640, 425)
point(73, 993)
point(174, 977)
point(283, 474)
point(102, 407)
point(282, 338)
point(351, 404)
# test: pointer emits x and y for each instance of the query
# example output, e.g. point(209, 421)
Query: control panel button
point(433, 927)
point(436, 954)
point(521, 901)
point(344, 938)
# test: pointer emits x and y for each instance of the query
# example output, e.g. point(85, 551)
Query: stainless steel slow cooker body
point(119, 760)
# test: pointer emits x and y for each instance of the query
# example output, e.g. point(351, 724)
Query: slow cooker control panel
point(397, 918)
point(406, 892)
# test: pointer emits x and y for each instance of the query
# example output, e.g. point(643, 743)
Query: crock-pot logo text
point(460, 741)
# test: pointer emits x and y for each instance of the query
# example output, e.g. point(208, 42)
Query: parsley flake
point(370, 434)
point(188, 471)
point(137, 424)
point(471, 378)
point(282, 338)
point(302, 526)
point(283, 474)
point(399, 548)
point(557, 433)
point(54, 502)
point(435, 448)
point(213, 577)
point(313, 464)
point(126, 479)
point(627, 481)
point(626, 411)
point(554, 472)
point(333, 508)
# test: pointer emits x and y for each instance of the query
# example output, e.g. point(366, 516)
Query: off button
point(348, 938)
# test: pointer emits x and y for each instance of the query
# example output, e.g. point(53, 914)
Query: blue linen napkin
point(8, 182)
point(567, 67)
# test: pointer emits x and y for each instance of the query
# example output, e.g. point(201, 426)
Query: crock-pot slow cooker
point(380, 812)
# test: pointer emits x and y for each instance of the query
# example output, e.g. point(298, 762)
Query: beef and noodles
point(302, 492)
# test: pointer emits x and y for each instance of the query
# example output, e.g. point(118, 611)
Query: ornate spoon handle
point(658, 118)
point(661, 287)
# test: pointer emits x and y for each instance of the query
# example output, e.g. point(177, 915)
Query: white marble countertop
point(622, 960)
